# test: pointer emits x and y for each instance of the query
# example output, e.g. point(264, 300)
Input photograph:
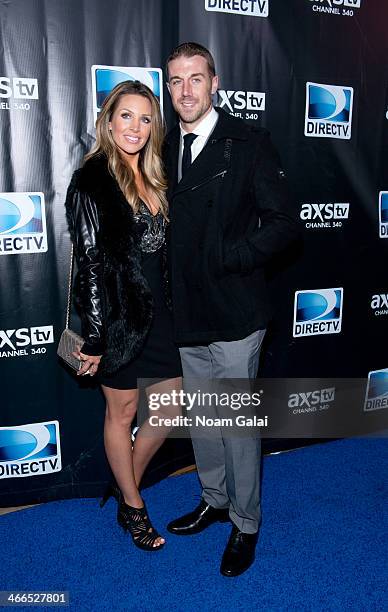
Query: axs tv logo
point(19, 88)
point(25, 341)
point(242, 100)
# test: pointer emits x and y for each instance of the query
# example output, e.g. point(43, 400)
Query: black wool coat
point(229, 215)
point(113, 297)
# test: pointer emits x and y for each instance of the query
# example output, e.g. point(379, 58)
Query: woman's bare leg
point(149, 439)
point(121, 406)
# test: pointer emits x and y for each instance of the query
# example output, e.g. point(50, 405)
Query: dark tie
point(188, 140)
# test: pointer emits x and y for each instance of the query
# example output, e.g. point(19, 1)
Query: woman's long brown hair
point(150, 162)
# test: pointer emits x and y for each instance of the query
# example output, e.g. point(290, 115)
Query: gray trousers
point(228, 467)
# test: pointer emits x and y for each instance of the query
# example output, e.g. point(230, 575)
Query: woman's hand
point(90, 363)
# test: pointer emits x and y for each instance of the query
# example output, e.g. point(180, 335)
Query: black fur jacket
point(112, 295)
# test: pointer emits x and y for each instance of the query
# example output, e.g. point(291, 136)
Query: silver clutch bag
point(70, 342)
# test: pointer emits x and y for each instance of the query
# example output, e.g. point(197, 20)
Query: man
point(228, 210)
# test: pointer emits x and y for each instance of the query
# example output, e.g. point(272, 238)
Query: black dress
point(159, 358)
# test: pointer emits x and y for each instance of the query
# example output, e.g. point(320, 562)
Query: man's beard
point(192, 115)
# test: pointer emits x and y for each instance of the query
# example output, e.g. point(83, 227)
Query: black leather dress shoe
point(239, 553)
point(196, 521)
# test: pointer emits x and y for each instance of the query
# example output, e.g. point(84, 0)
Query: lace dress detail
point(153, 235)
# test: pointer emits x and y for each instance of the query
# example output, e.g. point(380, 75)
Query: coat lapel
point(210, 162)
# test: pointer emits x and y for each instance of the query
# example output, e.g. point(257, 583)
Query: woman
point(117, 213)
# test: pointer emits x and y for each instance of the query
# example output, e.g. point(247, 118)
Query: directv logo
point(254, 8)
point(383, 214)
point(30, 450)
point(377, 390)
point(105, 78)
point(317, 311)
point(328, 111)
point(22, 223)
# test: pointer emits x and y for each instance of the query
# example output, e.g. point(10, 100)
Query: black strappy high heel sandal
point(136, 521)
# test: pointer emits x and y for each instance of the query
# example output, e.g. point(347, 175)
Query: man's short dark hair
point(189, 49)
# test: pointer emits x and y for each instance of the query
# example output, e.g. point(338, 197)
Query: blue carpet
point(322, 546)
